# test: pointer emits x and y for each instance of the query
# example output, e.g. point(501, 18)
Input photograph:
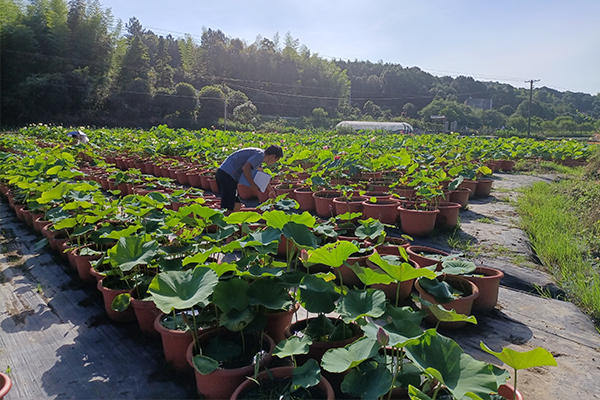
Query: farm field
point(81, 352)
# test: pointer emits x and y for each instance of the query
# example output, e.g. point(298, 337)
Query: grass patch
point(561, 220)
point(485, 220)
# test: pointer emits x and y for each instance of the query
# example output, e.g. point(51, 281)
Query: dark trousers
point(228, 190)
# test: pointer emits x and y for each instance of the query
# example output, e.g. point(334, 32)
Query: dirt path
point(523, 319)
point(59, 344)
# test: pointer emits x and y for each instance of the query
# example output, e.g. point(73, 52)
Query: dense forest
point(71, 63)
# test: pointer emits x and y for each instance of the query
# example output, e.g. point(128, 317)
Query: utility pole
point(530, 99)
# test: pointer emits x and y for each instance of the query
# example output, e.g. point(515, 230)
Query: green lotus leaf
point(182, 289)
point(292, 346)
point(300, 234)
point(307, 375)
point(443, 358)
point(361, 303)
point(343, 358)
point(269, 293)
point(333, 254)
point(317, 295)
point(369, 381)
point(522, 360)
point(131, 251)
point(231, 294)
point(242, 217)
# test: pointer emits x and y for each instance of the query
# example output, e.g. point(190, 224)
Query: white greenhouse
point(393, 127)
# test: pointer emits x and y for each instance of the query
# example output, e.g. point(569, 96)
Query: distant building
point(484, 104)
point(393, 127)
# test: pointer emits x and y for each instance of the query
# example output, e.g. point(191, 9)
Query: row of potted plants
point(194, 287)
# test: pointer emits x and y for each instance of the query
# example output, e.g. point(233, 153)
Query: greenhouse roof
point(371, 125)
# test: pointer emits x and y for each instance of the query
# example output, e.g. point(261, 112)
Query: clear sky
point(509, 41)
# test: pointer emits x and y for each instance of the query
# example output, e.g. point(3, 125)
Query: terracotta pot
point(423, 261)
point(391, 290)
point(417, 222)
point(462, 305)
point(182, 177)
point(377, 195)
point(214, 187)
point(204, 183)
point(405, 191)
point(507, 165)
point(305, 199)
point(488, 288)
point(352, 205)
point(484, 188)
point(280, 373)
point(469, 184)
point(349, 277)
point(384, 210)
point(146, 313)
point(287, 188)
point(194, 179)
point(221, 384)
point(460, 196)
point(447, 218)
point(277, 321)
point(109, 295)
point(508, 392)
point(318, 349)
point(175, 344)
point(324, 202)
point(245, 192)
point(5, 385)
point(83, 266)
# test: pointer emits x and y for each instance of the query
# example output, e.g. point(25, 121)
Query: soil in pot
point(465, 293)
point(276, 382)
point(426, 256)
point(232, 371)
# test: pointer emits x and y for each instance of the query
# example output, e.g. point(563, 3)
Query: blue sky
point(509, 41)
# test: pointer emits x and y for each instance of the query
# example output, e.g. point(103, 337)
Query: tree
point(186, 100)
point(245, 113)
point(319, 118)
point(212, 103)
point(372, 109)
point(517, 122)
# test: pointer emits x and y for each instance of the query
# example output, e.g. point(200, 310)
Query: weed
point(39, 288)
point(555, 216)
point(485, 220)
point(8, 370)
point(542, 291)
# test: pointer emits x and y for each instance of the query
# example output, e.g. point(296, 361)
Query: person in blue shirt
point(242, 162)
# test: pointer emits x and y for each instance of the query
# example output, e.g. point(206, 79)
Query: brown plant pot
point(277, 321)
point(447, 218)
point(507, 165)
point(324, 202)
point(417, 222)
point(280, 373)
point(83, 266)
point(221, 384)
point(146, 313)
point(460, 196)
point(352, 205)
point(214, 187)
point(384, 210)
point(245, 192)
point(109, 295)
point(391, 290)
point(175, 344)
point(488, 286)
point(469, 184)
point(462, 305)
point(305, 199)
point(413, 253)
point(484, 188)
